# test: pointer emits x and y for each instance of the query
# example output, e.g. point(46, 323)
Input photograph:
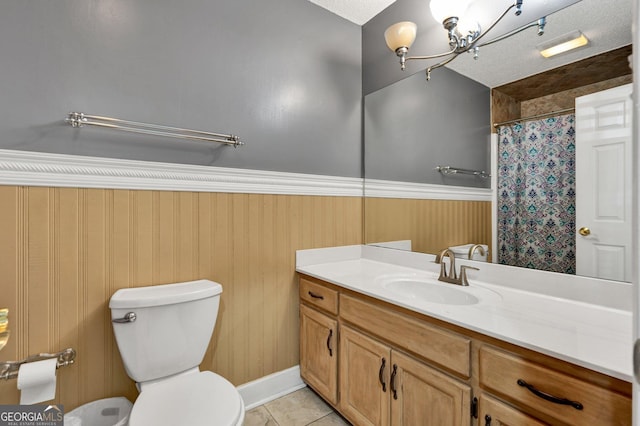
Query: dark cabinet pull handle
point(329, 342)
point(487, 420)
point(381, 374)
point(393, 381)
point(548, 397)
point(316, 296)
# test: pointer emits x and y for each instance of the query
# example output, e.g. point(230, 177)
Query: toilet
point(462, 252)
point(162, 334)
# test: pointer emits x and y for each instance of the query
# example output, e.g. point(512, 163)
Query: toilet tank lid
point(165, 294)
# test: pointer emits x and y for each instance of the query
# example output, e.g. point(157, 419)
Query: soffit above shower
point(596, 69)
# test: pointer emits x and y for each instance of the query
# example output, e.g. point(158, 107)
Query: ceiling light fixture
point(562, 44)
point(400, 36)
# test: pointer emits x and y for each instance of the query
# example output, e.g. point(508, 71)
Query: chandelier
point(400, 36)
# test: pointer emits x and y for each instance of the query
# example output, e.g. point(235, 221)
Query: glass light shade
point(443, 9)
point(402, 34)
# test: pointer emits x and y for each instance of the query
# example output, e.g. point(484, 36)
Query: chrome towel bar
point(448, 170)
point(79, 119)
point(9, 369)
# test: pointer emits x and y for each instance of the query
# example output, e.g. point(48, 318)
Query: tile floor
point(300, 408)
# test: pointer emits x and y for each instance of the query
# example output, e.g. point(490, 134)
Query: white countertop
point(587, 334)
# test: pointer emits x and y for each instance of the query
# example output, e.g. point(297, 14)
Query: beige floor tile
point(259, 416)
point(298, 408)
point(332, 419)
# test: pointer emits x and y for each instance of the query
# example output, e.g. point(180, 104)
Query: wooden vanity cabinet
point(379, 364)
point(319, 339)
point(416, 392)
point(380, 386)
point(435, 345)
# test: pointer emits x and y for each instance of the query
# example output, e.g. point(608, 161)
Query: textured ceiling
point(607, 24)
point(358, 11)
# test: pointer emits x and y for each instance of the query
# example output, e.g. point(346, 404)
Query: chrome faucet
point(474, 248)
point(452, 276)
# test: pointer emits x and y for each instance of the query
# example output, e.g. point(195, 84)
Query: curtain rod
point(548, 114)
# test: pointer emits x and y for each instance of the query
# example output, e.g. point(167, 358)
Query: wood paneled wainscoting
point(431, 225)
point(65, 251)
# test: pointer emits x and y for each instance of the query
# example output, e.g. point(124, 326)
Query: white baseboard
point(271, 387)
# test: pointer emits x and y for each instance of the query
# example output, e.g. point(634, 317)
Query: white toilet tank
point(171, 330)
point(462, 252)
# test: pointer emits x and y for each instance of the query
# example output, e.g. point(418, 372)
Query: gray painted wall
point(284, 75)
point(412, 126)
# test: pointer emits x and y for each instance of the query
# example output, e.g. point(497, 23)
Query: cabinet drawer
point(500, 373)
point(446, 349)
point(318, 295)
point(495, 413)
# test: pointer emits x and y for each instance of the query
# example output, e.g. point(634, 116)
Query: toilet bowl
point(200, 398)
point(162, 334)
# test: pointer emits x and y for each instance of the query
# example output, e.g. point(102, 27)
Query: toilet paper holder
point(9, 369)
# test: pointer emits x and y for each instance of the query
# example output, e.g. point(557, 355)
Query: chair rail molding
point(376, 188)
point(26, 168)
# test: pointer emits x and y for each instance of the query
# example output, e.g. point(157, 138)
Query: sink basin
point(427, 291)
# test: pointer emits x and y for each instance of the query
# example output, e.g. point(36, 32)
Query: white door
point(604, 184)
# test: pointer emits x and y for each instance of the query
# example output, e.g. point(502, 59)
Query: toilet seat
point(198, 399)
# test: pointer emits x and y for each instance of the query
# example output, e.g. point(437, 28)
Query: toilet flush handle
point(128, 317)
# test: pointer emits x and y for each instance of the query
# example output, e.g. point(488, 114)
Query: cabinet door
point(421, 395)
point(364, 379)
point(318, 352)
point(495, 413)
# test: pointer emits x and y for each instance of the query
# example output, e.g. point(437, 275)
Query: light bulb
point(465, 26)
point(443, 9)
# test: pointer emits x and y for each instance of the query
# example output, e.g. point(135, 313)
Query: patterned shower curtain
point(536, 194)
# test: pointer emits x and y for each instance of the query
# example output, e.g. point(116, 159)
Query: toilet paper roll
point(37, 381)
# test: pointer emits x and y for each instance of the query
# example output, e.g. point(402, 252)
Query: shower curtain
point(536, 194)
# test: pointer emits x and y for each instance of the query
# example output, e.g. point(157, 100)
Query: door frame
point(635, 243)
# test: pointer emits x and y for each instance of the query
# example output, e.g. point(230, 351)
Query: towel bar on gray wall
point(79, 119)
point(448, 170)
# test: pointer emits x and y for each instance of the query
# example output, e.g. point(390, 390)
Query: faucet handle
point(463, 274)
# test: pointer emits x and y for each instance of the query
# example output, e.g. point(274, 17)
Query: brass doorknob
point(584, 231)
